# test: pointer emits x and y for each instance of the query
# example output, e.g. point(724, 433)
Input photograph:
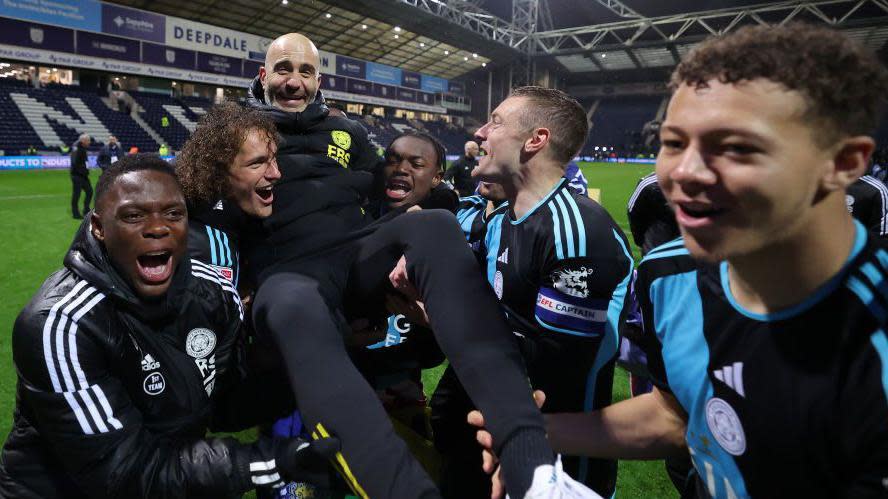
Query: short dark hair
point(440, 151)
point(203, 165)
point(560, 113)
point(128, 164)
point(844, 84)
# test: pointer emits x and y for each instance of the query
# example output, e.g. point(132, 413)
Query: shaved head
point(471, 148)
point(291, 75)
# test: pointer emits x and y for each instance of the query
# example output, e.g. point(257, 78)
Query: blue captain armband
point(560, 312)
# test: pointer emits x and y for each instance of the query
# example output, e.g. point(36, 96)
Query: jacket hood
point(314, 113)
point(87, 258)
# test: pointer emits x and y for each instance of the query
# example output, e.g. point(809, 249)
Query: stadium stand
point(618, 122)
point(50, 117)
point(155, 107)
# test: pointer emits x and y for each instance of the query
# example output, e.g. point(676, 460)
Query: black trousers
point(301, 306)
point(80, 183)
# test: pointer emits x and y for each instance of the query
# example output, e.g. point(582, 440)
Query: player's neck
point(529, 187)
point(787, 272)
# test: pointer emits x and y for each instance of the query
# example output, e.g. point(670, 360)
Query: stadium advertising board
point(379, 101)
point(133, 23)
point(205, 38)
point(359, 87)
point(35, 35)
point(251, 68)
point(112, 47)
point(328, 62)
point(433, 84)
point(220, 64)
point(329, 82)
point(163, 55)
point(385, 91)
point(82, 61)
point(457, 87)
point(406, 94)
point(354, 68)
point(382, 73)
point(410, 79)
point(47, 162)
point(78, 14)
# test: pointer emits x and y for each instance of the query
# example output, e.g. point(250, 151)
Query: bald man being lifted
point(317, 260)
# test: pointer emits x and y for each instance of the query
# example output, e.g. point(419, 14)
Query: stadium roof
point(408, 38)
point(608, 41)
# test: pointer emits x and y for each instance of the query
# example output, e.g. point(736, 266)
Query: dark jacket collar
point(87, 258)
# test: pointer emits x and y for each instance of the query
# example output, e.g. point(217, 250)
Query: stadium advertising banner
point(329, 82)
point(379, 101)
point(433, 84)
point(385, 91)
point(359, 87)
point(133, 23)
point(382, 73)
point(328, 62)
point(112, 47)
point(213, 63)
point(251, 68)
point(82, 61)
point(47, 162)
point(410, 79)
point(162, 55)
point(77, 14)
point(457, 87)
point(354, 68)
point(35, 35)
point(205, 38)
point(406, 94)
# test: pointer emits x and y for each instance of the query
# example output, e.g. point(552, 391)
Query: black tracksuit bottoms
point(301, 306)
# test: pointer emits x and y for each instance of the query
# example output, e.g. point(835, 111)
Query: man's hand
point(489, 461)
point(401, 282)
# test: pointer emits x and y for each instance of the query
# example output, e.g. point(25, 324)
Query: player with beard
point(765, 323)
point(127, 356)
point(317, 254)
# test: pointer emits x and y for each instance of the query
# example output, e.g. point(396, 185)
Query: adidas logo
point(218, 205)
point(504, 257)
point(148, 363)
point(732, 376)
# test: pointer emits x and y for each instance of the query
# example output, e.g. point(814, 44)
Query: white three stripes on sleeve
point(204, 271)
point(265, 473)
point(883, 195)
point(61, 362)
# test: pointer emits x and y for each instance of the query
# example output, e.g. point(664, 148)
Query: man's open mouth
point(155, 267)
point(265, 193)
point(397, 189)
point(695, 210)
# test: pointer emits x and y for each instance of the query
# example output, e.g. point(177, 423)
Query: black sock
point(520, 456)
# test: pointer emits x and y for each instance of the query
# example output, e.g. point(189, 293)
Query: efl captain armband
point(563, 313)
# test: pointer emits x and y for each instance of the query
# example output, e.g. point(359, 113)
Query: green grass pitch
point(36, 228)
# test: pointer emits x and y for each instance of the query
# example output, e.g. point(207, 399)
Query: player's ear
point(538, 139)
point(95, 222)
point(849, 161)
point(437, 179)
point(262, 75)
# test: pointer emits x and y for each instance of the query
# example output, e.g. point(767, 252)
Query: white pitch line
point(31, 196)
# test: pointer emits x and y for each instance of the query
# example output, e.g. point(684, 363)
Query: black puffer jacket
point(115, 394)
point(327, 165)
